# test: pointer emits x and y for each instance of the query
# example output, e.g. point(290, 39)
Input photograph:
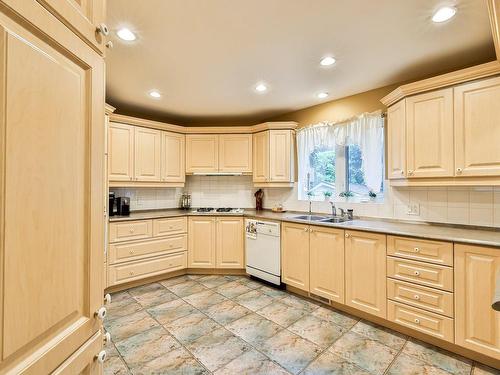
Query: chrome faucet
point(310, 206)
point(342, 212)
point(334, 209)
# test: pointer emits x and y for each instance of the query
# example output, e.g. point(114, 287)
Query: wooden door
point(202, 153)
point(51, 184)
point(295, 255)
point(477, 128)
point(173, 157)
point(235, 153)
point(365, 272)
point(147, 154)
point(261, 157)
point(327, 263)
point(201, 242)
point(120, 152)
point(396, 140)
point(280, 143)
point(429, 120)
point(81, 16)
point(230, 246)
point(477, 325)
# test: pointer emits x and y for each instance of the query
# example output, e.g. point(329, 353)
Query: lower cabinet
point(295, 255)
point(365, 272)
point(84, 360)
point(216, 242)
point(477, 325)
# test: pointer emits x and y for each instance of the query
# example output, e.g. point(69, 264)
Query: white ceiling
point(205, 56)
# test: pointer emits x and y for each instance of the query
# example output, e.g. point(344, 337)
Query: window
point(339, 161)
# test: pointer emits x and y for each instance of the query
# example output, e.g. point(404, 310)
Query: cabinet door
point(51, 162)
point(477, 128)
point(365, 272)
point(295, 255)
point(280, 143)
point(477, 325)
point(429, 120)
point(147, 154)
point(173, 157)
point(202, 153)
point(235, 153)
point(230, 247)
point(327, 263)
point(396, 140)
point(120, 152)
point(261, 157)
point(201, 242)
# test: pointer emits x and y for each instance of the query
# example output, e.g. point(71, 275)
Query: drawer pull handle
point(131, 252)
point(131, 230)
point(101, 356)
point(417, 321)
point(417, 250)
point(416, 296)
point(416, 273)
point(101, 313)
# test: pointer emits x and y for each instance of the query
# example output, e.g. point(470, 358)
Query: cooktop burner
point(222, 210)
point(205, 209)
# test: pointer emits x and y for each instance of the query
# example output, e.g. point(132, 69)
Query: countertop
point(458, 234)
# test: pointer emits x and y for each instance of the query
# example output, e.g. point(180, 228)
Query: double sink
point(321, 219)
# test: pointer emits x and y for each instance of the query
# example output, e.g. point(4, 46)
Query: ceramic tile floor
point(197, 324)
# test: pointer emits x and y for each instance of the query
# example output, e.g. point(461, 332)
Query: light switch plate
point(413, 209)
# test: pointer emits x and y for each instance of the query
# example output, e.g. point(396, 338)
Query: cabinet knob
point(417, 321)
point(131, 273)
point(305, 229)
point(416, 249)
point(311, 230)
point(459, 170)
point(107, 298)
point(103, 29)
point(131, 230)
point(107, 338)
point(402, 171)
point(109, 44)
point(131, 252)
point(416, 296)
point(101, 313)
point(347, 235)
point(101, 356)
point(416, 273)
point(410, 172)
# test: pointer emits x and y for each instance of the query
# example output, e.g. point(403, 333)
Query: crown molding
point(109, 108)
point(453, 78)
point(494, 13)
point(129, 120)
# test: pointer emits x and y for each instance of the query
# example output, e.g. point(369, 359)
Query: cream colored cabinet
point(429, 121)
point(120, 152)
point(365, 272)
point(201, 242)
point(326, 247)
point(477, 128)
point(202, 153)
point(477, 325)
point(230, 247)
point(147, 154)
point(396, 140)
point(51, 162)
point(261, 157)
point(173, 157)
point(295, 255)
point(235, 153)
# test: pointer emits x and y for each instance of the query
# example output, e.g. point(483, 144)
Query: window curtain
point(366, 131)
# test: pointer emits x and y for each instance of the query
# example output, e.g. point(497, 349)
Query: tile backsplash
point(454, 205)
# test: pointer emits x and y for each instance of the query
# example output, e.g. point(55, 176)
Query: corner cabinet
point(477, 325)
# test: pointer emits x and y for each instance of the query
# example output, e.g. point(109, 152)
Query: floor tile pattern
point(211, 324)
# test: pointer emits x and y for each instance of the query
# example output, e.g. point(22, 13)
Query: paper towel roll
point(496, 297)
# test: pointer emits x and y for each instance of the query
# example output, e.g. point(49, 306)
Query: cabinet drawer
point(122, 273)
point(120, 252)
point(420, 320)
point(422, 250)
point(130, 230)
point(429, 299)
point(421, 273)
point(173, 225)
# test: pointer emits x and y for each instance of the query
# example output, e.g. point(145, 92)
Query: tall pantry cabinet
point(51, 164)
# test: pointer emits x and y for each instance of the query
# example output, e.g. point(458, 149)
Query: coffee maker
point(118, 205)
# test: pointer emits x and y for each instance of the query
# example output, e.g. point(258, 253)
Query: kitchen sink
point(334, 220)
point(310, 217)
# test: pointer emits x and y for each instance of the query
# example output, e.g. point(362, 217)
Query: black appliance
point(112, 208)
point(123, 205)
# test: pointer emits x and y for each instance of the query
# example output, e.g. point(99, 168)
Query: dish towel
point(496, 297)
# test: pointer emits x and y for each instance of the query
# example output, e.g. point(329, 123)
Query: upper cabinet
point(273, 157)
point(120, 152)
point(235, 153)
point(202, 153)
point(172, 157)
point(147, 154)
point(396, 140)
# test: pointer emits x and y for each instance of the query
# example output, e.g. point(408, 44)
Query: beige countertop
point(458, 234)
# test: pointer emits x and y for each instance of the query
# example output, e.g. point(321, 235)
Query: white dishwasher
point(262, 245)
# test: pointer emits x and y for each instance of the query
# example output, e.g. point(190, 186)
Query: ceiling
point(206, 57)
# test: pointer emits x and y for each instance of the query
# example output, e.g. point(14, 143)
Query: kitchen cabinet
point(147, 153)
point(51, 162)
point(235, 153)
point(201, 242)
point(365, 272)
point(230, 248)
point(429, 126)
point(326, 248)
point(120, 152)
point(477, 325)
point(295, 255)
point(477, 129)
point(202, 153)
point(396, 140)
point(274, 158)
point(173, 157)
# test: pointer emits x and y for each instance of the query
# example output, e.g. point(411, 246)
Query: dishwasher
point(262, 247)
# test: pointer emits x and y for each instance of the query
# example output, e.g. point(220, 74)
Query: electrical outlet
point(413, 209)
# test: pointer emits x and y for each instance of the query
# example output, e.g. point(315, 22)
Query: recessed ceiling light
point(155, 94)
point(126, 34)
point(261, 87)
point(327, 61)
point(322, 95)
point(444, 14)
